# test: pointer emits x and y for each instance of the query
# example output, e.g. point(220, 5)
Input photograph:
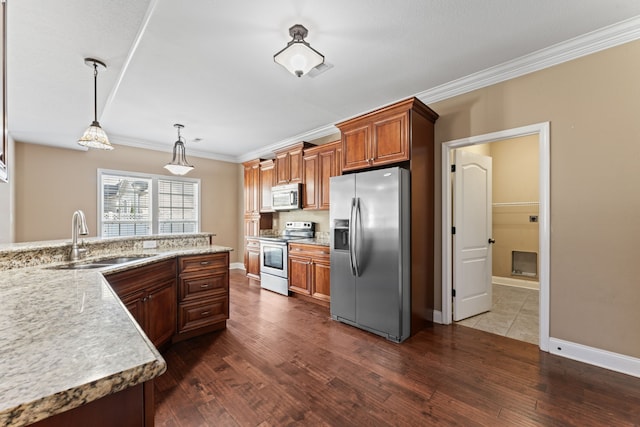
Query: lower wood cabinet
point(178, 298)
point(309, 270)
point(203, 294)
point(149, 292)
point(132, 407)
point(253, 259)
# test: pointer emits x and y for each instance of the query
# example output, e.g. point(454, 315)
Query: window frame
point(155, 210)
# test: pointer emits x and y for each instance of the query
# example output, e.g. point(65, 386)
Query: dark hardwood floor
point(283, 361)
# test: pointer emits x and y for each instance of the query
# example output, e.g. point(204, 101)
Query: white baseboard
point(595, 356)
point(518, 283)
point(236, 266)
point(437, 316)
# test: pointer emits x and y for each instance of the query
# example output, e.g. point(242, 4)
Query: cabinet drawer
point(203, 262)
point(198, 314)
point(194, 287)
point(253, 243)
point(312, 251)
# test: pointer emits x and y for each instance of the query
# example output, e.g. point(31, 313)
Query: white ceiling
point(208, 64)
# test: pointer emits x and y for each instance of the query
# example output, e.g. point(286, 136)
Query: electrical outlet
point(149, 244)
point(533, 218)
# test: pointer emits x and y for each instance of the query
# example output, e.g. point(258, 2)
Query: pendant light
point(298, 57)
point(94, 136)
point(179, 164)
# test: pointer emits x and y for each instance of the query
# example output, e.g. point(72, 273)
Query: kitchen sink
point(120, 260)
point(99, 263)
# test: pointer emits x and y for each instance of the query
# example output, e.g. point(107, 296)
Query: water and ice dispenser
point(341, 234)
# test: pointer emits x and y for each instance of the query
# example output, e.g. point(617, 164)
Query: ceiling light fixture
point(179, 164)
point(94, 136)
point(298, 57)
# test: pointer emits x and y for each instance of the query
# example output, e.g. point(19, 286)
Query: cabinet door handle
point(204, 263)
point(204, 313)
point(204, 286)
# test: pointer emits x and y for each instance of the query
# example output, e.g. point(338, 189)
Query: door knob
point(491, 241)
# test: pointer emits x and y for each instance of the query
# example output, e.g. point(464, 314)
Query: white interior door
point(472, 239)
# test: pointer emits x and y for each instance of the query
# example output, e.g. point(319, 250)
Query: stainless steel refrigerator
point(370, 258)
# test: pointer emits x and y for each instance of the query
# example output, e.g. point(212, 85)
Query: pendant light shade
point(179, 165)
point(94, 136)
point(298, 57)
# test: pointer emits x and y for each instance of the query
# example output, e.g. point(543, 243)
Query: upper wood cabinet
point(381, 137)
point(289, 164)
point(252, 187)
point(320, 163)
point(267, 180)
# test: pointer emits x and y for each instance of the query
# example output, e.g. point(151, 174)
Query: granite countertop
point(66, 338)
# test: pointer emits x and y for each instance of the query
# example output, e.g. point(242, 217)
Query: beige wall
point(592, 104)
point(51, 183)
point(515, 187)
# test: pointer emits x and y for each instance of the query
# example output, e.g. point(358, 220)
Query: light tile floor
point(515, 314)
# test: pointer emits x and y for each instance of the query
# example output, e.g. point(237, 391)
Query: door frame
point(542, 130)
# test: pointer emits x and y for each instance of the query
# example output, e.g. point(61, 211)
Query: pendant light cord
point(95, 92)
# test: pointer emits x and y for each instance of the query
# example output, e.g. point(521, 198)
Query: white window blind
point(177, 206)
point(134, 204)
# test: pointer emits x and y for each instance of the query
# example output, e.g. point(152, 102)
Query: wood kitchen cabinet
point(288, 164)
point(309, 270)
point(403, 134)
point(203, 294)
point(133, 406)
point(267, 179)
point(381, 137)
point(149, 293)
point(254, 219)
point(253, 260)
point(252, 187)
point(320, 163)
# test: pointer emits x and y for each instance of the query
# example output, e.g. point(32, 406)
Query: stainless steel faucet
point(78, 226)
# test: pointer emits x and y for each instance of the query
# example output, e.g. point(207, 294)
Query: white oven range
point(274, 275)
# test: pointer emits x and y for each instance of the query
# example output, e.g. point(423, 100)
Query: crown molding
point(595, 41)
point(307, 136)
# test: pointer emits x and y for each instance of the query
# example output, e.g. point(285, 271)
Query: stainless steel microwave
point(286, 197)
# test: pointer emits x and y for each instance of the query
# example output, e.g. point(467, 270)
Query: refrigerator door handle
point(356, 238)
point(350, 231)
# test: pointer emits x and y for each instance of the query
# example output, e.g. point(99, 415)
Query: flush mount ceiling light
point(179, 164)
point(94, 136)
point(298, 57)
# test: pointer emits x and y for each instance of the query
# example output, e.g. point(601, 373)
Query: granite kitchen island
point(66, 339)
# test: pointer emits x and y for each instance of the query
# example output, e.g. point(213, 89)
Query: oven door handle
point(351, 239)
